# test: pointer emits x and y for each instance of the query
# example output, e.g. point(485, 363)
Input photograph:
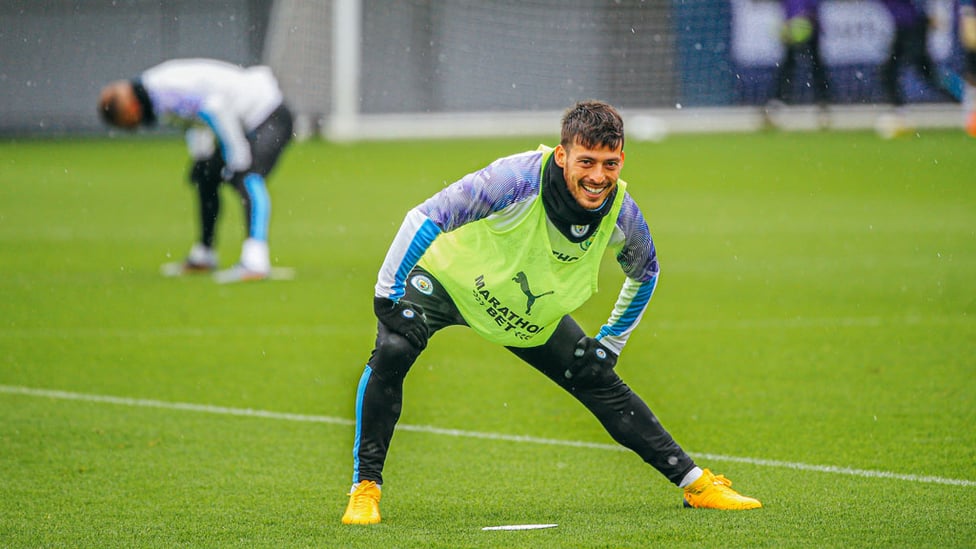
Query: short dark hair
point(592, 123)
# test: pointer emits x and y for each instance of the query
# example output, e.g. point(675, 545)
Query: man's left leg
point(630, 422)
point(267, 143)
point(202, 257)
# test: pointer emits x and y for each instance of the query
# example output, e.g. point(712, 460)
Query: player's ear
point(559, 155)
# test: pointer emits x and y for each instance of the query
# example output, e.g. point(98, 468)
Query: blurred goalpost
point(373, 69)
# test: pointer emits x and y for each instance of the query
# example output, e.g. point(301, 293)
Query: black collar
point(148, 114)
point(574, 221)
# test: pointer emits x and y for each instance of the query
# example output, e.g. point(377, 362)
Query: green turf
point(817, 308)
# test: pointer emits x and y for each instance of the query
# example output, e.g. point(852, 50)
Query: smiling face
point(591, 173)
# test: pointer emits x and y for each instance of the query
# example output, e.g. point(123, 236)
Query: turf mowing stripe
point(330, 329)
point(248, 412)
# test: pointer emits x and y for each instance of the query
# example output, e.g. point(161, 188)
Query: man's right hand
point(590, 358)
point(403, 317)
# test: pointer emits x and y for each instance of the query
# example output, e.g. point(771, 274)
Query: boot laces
point(363, 498)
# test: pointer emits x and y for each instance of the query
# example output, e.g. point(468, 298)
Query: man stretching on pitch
point(510, 251)
point(236, 127)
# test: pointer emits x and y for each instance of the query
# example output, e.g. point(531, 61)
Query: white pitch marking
point(520, 527)
point(149, 403)
point(264, 414)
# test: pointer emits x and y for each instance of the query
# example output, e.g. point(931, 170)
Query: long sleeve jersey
point(211, 98)
point(504, 190)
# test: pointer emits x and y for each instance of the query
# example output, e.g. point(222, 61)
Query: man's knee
point(393, 355)
point(604, 383)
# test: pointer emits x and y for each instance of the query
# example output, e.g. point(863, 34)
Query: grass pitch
point(812, 337)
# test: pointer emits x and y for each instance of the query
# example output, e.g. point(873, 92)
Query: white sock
point(691, 477)
point(255, 255)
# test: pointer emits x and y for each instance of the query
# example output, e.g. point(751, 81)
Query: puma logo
point(523, 283)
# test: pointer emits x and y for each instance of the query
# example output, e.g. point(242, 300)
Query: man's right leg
point(379, 400)
point(379, 397)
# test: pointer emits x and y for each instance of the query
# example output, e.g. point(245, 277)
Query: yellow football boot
point(715, 492)
point(364, 504)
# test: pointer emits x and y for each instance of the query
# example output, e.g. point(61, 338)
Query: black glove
point(403, 317)
point(590, 359)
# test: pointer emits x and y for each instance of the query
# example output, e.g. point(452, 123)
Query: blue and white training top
point(211, 98)
point(504, 190)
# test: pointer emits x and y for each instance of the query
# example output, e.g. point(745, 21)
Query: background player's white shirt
point(225, 98)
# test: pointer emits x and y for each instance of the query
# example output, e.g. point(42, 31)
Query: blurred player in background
point(800, 35)
point(967, 37)
point(909, 49)
point(236, 127)
point(510, 251)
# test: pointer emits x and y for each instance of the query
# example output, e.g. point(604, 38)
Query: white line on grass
point(264, 414)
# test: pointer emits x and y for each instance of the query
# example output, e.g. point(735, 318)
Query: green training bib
point(508, 283)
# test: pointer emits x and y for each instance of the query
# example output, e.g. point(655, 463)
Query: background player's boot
point(239, 273)
point(715, 492)
point(201, 259)
point(255, 264)
point(364, 504)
